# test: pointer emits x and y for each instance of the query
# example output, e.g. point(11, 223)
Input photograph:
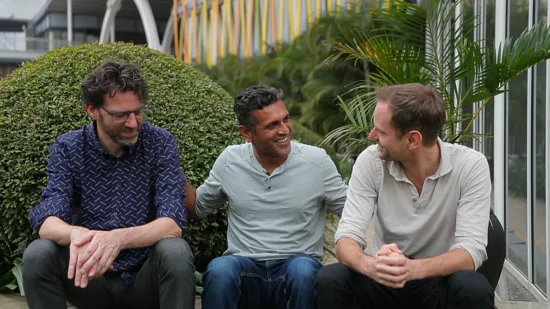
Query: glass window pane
point(516, 210)
point(539, 213)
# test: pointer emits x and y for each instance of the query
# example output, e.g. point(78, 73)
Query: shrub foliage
point(41, 100)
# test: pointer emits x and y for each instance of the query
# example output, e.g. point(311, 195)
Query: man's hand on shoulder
point(98, 254)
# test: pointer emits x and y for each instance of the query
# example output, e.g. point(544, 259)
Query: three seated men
point(112, 217)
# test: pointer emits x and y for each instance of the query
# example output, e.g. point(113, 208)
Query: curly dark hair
point(254, 97)
point(111, 78)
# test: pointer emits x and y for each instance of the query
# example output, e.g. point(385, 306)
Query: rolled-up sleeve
point(170, 185)
point(210, 194)
point(57, 196)
point(473, 213)
point(361, 200)
point(335, 189)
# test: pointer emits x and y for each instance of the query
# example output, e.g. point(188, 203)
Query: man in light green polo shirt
point(430, 204)
point(278, 192)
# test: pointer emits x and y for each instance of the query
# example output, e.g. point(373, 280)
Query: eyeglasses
point(122, 116)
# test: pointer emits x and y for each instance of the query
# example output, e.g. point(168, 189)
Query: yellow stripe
point(298, 19)
point(318, 9)
point(338, 5)
point(263, 41)
point(291, 19)
point(228, 9)
point(329, 6)
point(309, 12)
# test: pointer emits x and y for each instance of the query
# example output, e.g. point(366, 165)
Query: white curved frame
point(147, 18)
point(168, 37)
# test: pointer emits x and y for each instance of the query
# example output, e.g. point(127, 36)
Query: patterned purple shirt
point(89, 187)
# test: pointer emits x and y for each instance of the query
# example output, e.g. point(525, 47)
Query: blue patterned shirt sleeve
point(56, 197)
point(170, 184)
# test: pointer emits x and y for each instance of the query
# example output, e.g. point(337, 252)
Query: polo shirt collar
point(254, 161)
point(445, 164)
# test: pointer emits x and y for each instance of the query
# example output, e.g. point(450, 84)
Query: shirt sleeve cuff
point(359, 240)
point(479, 255)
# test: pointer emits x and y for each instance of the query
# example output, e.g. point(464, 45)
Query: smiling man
point(278, 191)
point(111, 217)
point(429, 202)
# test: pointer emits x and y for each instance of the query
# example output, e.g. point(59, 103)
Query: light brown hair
point(415, 107)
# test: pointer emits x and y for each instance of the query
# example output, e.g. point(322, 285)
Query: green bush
point(40, 101)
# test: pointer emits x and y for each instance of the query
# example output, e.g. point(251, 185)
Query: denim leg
point(233, 282)
point(296, 289)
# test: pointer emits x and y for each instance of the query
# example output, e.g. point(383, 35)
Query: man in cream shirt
point(430, 203)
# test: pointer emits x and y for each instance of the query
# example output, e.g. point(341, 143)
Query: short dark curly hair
point(254, 97)
point(111, 78)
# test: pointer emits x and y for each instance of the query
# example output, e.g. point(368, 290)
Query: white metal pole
point(69, 22)
point(499, 138)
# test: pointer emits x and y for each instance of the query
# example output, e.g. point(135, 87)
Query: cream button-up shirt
point(451, 212)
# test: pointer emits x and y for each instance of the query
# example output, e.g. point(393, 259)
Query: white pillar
point(109, 19)
point(112, 32)
point(149, 24)
point(499, 138)
point(69, 22)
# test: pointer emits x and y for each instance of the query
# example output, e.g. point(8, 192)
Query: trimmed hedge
point(41, 100)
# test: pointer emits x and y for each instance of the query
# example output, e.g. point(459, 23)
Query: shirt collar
point(128, 150)
point(445, 164)
point(256, 163)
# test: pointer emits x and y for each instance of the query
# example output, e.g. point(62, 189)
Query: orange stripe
point(175, 25)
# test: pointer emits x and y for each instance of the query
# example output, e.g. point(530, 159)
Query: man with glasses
point(111, 217)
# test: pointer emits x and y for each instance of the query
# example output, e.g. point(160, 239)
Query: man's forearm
point(443, 265)
point(350, 254)
point(57, 230)
point(148, 234)
point(190, 200)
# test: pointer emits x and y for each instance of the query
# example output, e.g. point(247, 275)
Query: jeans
point(338, 286)
point(166, 280)
point(240, 282)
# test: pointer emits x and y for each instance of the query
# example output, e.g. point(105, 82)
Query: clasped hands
point(92, 253)
point(390, 267)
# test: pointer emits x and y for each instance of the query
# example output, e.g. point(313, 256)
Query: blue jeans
point(238, 282)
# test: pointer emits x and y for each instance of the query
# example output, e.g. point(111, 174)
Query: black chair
point(496, 251)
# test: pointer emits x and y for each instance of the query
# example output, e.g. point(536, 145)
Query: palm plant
point(314, 85)
point(426, 45)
